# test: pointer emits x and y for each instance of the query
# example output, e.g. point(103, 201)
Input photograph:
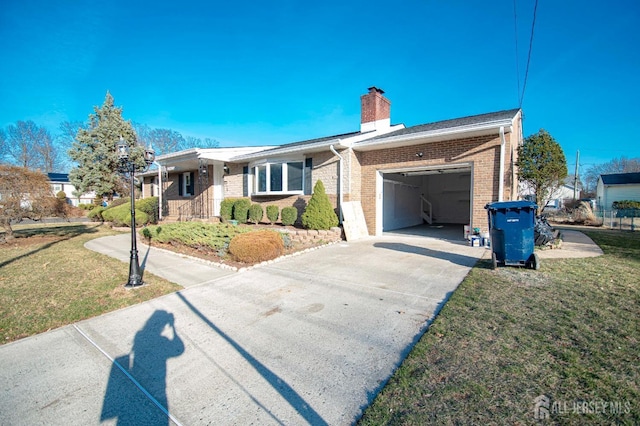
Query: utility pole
point(576, 179)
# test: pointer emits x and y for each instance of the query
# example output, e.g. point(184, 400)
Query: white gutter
point(501, 173)
point(159, 189)
point(340, 198)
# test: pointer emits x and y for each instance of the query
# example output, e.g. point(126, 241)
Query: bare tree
point(23, 194)
point(164, 141)
point(194, 142)
point(31, 146)
point(3, 145)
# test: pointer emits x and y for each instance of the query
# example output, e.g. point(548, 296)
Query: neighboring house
point(60, 182)
point(443, 172)
point(557, 200)
point(617, 187)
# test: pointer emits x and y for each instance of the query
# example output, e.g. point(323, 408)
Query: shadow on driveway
point(458, 259)
point(282, 387)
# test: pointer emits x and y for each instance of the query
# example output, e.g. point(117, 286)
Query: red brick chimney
point(375, 112)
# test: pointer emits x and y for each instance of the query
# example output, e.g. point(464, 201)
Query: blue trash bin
point(511, 226)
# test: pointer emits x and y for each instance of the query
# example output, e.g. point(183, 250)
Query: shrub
point(116, 202)
point(289, 215)
point(121, 215)
point(272, 213)
point(241, 209)
point(319, 213)
point(146, 232)
point(198, 235)
point(95, 214)
point(150, 206)
point(61, 195)
point(625, 205)
point(258, 246)
point(255, 213)
point(226, 209)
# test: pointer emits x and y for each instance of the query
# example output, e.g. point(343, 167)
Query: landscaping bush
point(241, 209)
point(255, 213)
point(319, 213)
point(115, 202)
point(121, 215)
point(625, 205)
point(150, 206)
point(289, 215)
point(198, 235)
point(95, 214)
point(226, 209)
point(272, 213)
point(256, 246)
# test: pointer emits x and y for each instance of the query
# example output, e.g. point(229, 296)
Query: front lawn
point(568, 332)
point(48, 279)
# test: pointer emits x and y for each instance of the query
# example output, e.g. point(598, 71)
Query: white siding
point(608, 194)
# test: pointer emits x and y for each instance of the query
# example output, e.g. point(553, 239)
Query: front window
point(285, 177)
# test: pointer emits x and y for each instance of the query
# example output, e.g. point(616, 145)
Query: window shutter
point(192, 182)
point(308, 165)
point(245, 181)
point(180, 184)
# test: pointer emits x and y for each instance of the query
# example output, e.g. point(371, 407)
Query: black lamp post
point(127, 165)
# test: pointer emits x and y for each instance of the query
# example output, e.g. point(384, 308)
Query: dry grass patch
point(49, 279)
point(569, 331)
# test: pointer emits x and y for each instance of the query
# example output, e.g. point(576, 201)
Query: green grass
point(569, 331)
point(48, 279)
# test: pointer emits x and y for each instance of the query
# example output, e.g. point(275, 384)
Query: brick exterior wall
point(325, 168)
point(199, 205)
point(483, 152)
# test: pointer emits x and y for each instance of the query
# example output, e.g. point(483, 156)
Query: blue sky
point(250, 73)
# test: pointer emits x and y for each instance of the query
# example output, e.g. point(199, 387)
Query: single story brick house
point(443, 172)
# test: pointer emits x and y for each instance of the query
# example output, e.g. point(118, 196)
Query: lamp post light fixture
point(128, 166)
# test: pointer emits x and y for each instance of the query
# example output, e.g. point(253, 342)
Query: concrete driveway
point(307, 340)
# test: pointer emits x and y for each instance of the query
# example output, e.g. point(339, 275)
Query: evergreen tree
point(319, 213)
point(94, 150)
point(542, 165)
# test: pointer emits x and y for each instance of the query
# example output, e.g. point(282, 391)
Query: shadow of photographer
point(136, 391)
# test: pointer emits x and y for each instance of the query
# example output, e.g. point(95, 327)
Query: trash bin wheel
point(494, 261)
point(534, 262)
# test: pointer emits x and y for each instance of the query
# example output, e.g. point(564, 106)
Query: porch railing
point(426, 210)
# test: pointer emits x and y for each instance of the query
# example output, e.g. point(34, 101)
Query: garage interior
point(433, 196)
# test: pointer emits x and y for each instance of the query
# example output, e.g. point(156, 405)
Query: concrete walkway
point(307, 340)
point(575, 244)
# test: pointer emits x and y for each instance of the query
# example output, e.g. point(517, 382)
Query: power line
point(526, 73)
point(515, 26)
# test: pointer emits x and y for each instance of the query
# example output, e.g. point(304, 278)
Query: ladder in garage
point(426, 211)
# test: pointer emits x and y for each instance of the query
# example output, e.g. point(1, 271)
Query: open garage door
point(436, 195)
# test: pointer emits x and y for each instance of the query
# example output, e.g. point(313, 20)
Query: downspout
point(501, 173)
point(339, 180)
point(159, 189)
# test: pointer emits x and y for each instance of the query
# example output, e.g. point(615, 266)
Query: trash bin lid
point(509, 205)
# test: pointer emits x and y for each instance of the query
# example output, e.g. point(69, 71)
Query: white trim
point(434, 135)
point(379, 203)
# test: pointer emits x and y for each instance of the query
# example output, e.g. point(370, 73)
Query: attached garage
point(434, 195)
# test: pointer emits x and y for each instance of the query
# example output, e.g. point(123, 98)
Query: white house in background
point(60, 182)
point(617, 187)
point(557, 200)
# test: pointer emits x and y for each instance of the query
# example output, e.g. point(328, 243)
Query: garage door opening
point(433, 196)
